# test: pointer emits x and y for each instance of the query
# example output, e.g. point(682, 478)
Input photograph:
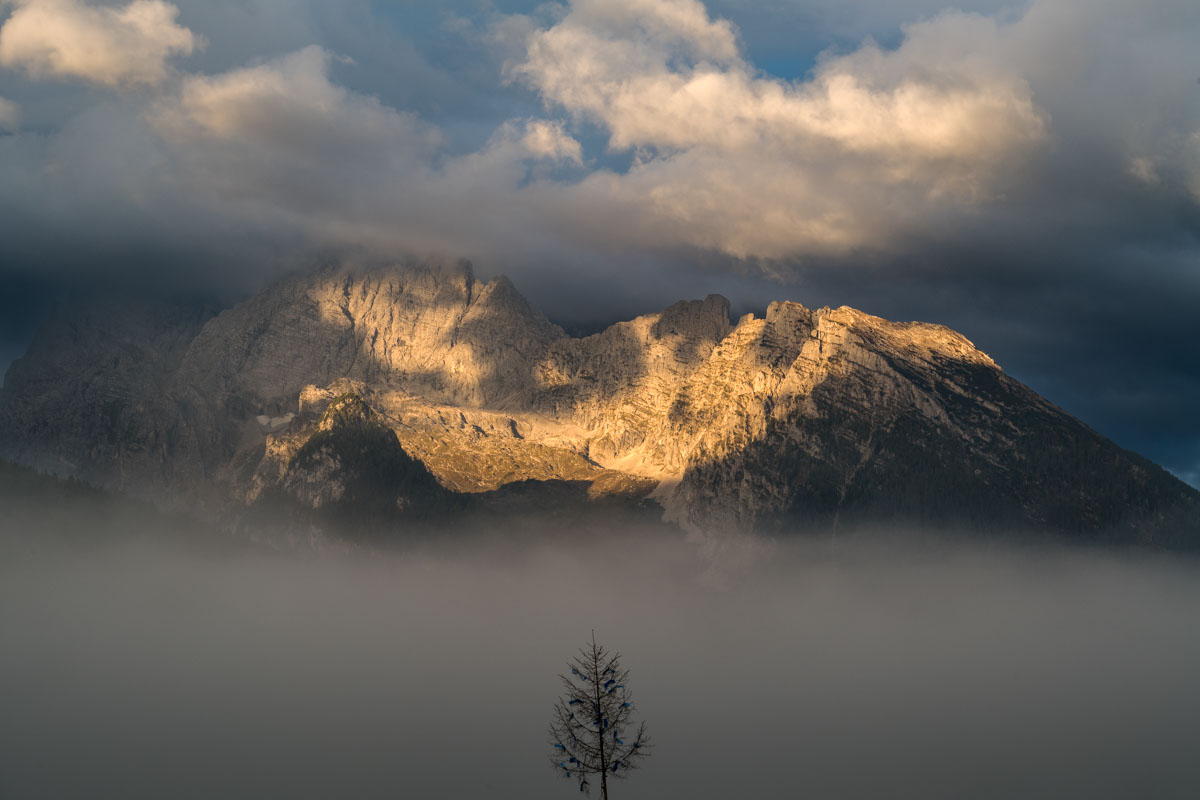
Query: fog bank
point(141, 670)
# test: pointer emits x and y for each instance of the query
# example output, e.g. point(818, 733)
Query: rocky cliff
point(827, 419)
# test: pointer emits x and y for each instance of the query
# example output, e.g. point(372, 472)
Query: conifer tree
point(593, 736)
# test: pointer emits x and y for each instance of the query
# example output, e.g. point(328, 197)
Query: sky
point(1027, 173)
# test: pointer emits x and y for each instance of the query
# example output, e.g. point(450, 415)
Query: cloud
point(1142, 169)
point(1193, 161)
point(667, 87)
point(10, 114)
point(757, 166)
point(287, 104)
point(659, 138)
point(660, 135)
point(286, 143)
point(545, 139)
point(282, 132)
point(109, 46)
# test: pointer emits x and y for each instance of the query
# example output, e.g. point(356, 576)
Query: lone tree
point(593, 733)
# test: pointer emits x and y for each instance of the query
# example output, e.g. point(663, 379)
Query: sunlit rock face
point(434, 330)
point(826, 419)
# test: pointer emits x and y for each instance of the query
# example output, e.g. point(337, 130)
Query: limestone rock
point(827, 419)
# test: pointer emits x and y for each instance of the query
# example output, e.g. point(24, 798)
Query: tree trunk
point(600, 723)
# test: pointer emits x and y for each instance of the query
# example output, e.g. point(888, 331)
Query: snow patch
point(273, 424)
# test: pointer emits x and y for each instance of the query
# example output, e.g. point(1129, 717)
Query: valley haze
point(137, 665)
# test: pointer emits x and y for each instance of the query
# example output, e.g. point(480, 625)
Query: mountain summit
point(827, 419)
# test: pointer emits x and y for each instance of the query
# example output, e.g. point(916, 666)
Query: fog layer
point(146, 670)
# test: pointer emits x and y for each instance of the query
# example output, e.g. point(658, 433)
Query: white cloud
point(10, 115)
point(287, 104)
point(283, 132)
point(876, 147)
point(283, 139)
point(969, 122)
point(757, 166)
point(546, 139)
point(110, 46)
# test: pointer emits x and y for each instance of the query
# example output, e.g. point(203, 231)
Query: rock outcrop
point(349, 465)
point(827, 419)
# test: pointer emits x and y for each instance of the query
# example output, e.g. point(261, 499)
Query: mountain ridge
point(812, 419)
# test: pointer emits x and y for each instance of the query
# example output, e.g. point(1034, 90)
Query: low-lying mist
point(153, 668)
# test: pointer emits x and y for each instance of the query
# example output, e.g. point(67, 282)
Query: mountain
point(417, 387)
point(89, 399)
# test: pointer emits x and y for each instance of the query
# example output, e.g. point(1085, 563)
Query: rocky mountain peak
point(703, 320)
point(346, 411)
point(826, 419)
point(349, 464)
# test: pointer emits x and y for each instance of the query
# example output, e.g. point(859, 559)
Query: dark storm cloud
point(1027, 173)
